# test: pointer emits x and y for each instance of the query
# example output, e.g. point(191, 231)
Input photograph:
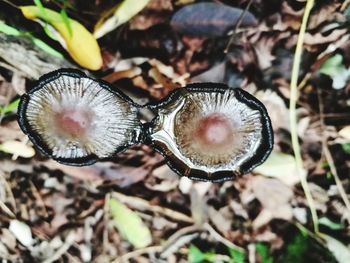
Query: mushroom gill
point(77, 120)
point(209, 131)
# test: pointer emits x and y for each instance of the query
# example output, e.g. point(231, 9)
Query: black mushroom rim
point(77, 120)
point(210, 132)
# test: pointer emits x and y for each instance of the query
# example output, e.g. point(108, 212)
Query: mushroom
point(208, 131)
point(77, 120)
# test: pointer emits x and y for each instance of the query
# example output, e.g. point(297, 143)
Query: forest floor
point(56, 213)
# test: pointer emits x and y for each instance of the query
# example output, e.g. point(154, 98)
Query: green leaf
point(40, 5)
point(296, 249)
point(325, 165)
point(9, 30)
point(195, 255)
point(332, 225)
point(237, 256)
point(44, 14)
point(129, 224)
point(66, 21)
point(346, 148)
point(41, 44)
point(11, 107)
point(263, 251)
point(334, 68)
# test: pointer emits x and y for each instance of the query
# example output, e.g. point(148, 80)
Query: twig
point(183, 231)
point(38, 197)
point(341, 209)
point(139, 203)
point(106, 214)
point(135, 253)
point(63, 249)
point(335, 175)
point(239, 22)
point(9, 192)
point(7, 210)
point(303, 229)
point(220, 238)
point(330, 49)
point(345, 5)
point(329, 157)
point(292, 113)
point(10, 3)
point(178, 244)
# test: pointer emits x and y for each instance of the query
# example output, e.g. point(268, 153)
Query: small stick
point(10, 3)
point(240, 19)
point(125, 258)
point(70, 239)
point(38, 197)
point(9, 192)
point(328, 155)
point(139, 203)
point(7, 210)
point(220, 238)
point(344, 5)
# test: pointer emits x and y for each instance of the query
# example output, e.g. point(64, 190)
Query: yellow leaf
point(130, 225)
point(17, 148)
point(281, 166)
point(81, 44)
point(123, 12)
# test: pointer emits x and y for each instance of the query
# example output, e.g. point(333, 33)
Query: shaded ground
point(56, 213)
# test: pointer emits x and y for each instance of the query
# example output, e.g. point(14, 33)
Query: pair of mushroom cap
point(205, 131)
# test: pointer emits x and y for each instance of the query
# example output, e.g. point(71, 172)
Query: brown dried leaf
point(274, 197)
point(221, 218)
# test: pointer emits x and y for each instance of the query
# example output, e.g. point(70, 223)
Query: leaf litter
point(52, 212)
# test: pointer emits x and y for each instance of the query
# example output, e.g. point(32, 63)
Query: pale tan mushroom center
point(214, 131)
point(73, 123)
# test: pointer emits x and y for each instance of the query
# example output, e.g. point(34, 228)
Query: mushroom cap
point(77, 120)
point(210, 132)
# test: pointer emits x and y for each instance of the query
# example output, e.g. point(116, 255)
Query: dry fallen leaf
point(17, 148)
point(281, 166)
point(276, 108)
point(345, 132)
point(122, 13)
point(275, 203)
point(129, 224)
point(22, 232)
point(339, 250)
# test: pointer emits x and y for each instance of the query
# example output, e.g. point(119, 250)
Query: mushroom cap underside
point(77, 120)
point(208, 131)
